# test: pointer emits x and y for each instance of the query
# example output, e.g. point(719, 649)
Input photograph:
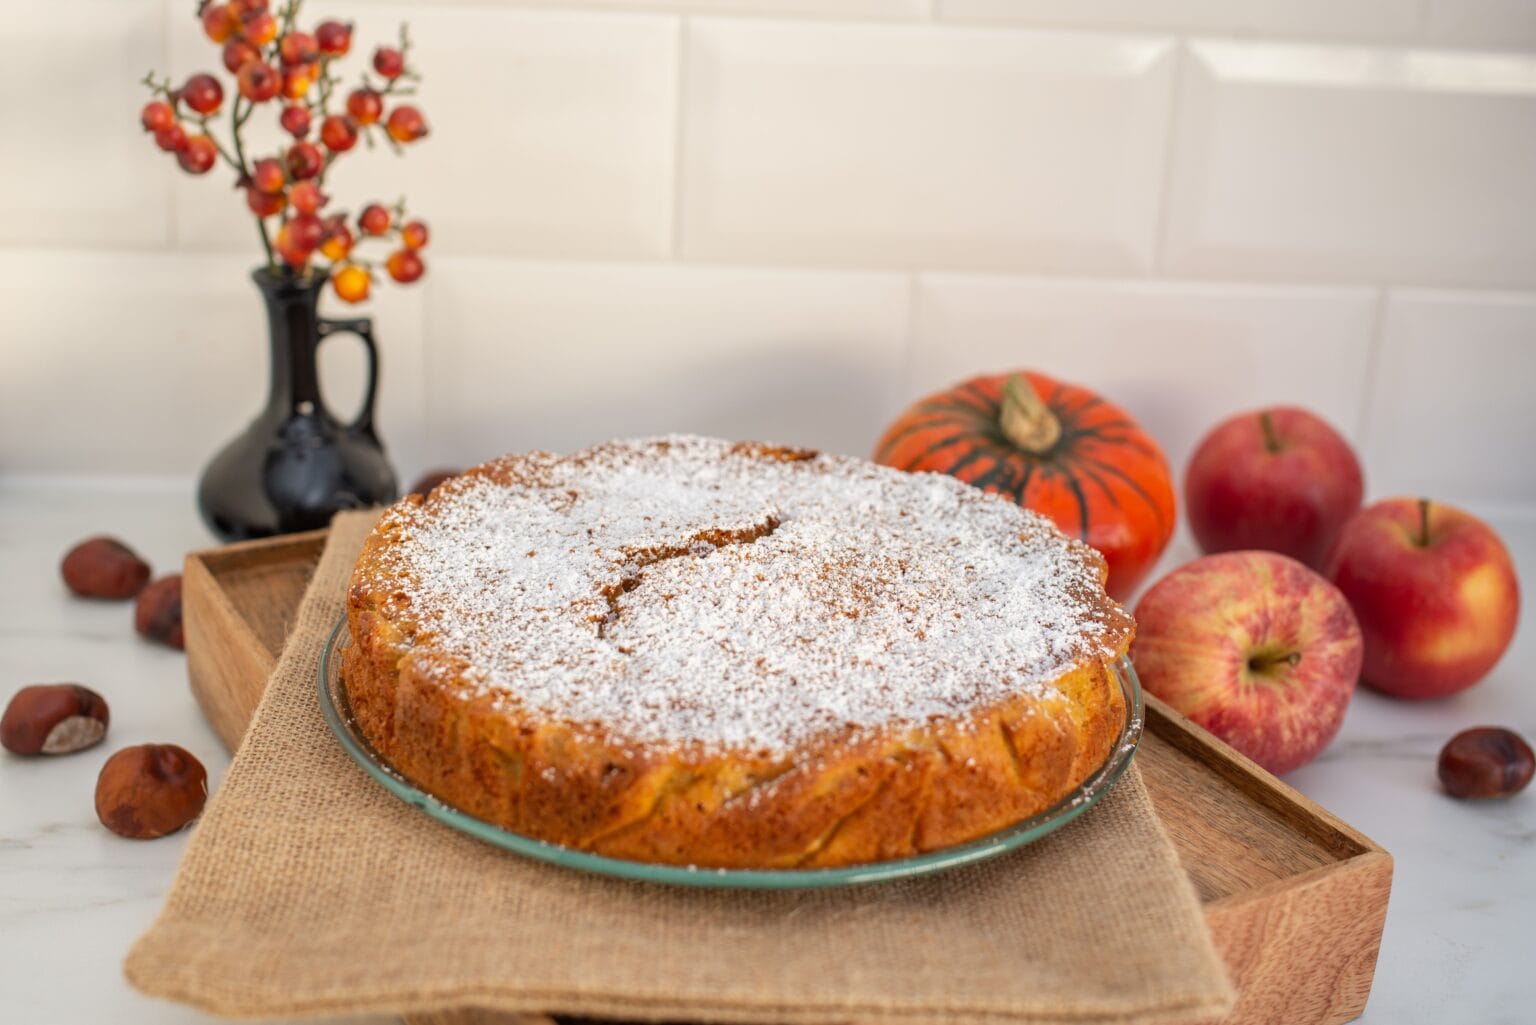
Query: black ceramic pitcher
point(297, 465)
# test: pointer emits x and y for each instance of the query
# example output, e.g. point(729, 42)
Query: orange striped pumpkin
point(1056, 448)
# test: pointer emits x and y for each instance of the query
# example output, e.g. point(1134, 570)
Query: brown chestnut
point(430, 480)
point(150, 790)
point(157, 614)
point(53, 719)
point(104, 567)
point(1486, 761)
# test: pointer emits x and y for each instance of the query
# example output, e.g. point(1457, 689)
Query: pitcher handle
point(362, 327)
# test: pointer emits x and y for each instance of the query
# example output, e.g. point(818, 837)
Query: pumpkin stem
point(1025, 420)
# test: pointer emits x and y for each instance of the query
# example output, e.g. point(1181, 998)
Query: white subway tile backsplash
point(1178, 356)
point(1451, 415)
point(165, 362)
point(1329, 162)
point(1362, 19)
point(75, 165)
point(922, 146)
point(551, 133)
point(1499, 24)
point(560, 356)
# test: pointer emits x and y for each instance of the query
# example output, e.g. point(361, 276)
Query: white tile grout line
point(1372, 363)
point(1181, 60)
point(679, 140)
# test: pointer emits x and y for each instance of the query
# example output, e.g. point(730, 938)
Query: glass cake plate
point(338, 713)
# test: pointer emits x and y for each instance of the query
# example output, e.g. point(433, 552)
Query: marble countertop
point(73, 897)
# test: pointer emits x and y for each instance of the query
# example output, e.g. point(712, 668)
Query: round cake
point(694, 652)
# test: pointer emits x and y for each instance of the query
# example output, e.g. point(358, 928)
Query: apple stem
point(1271, 439)
point(1259, 663)
point(1423, 523)
point(1025, 420)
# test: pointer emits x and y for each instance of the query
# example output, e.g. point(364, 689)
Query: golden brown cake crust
point(691, 652)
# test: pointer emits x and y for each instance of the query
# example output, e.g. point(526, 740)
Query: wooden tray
point(1295, 899)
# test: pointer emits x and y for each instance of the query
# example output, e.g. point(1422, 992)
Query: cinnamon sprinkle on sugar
point(685, 590)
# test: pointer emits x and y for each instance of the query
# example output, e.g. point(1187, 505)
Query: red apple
point(1256, 648)
point(1435, 592)
point(1278, 479)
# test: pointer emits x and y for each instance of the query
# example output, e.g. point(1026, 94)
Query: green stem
point(236, 122)
point(1271, 439)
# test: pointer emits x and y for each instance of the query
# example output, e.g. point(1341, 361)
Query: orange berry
point(296, 81)
point(365, 105)
point(259, 82)
point(339, 133)
point(336, 243)
point(172, 139)
point(374, 220)
point(157, 116)
point(260, 28)
point(351, 283)
point(334, 38)
point(406, 124)
point(267, 176)
point(388, 62)
point(306, 197)
point(198, 155)
point(304, 160)
point(295, 121)
point(298, 48)
point(414, 235)
point(263, 204)
point(219, 22)
point(202, 93)
point(405, 266)
point(239, 52)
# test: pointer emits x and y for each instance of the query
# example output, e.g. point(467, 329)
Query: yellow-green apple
point(1255, 647)
point(1435, 592)
point(1279, 479)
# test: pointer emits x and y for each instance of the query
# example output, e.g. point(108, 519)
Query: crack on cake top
point(834, 594)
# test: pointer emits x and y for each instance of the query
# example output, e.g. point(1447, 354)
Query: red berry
point(198, 155)
point(267, 176)
point(157, 116)
point(334, 38)
point(259, 27)
point(306, 197)
point(351, 283)
point(338, 133)
point(388, 62)
point(202, 93)
point(263, 204)
point(414, 235)
point(259, 82)
point(298, 48)
point(172, 139)
point(243, 8)
point(406, 124)
point(219, 22)
point(304, 161)
point(365, 105)
point(239, 52)
point(374, 220)
point(336, 243)
point(297, 238)
point(297, 80)
point(295, 121)
point(404, 266)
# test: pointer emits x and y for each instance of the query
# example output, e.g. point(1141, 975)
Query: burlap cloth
point(307, 889)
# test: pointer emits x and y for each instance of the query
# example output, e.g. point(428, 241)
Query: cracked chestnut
point(104, 567)
point(157, 614)
point(150, 790)
point(53, 719)
point(1486, 761)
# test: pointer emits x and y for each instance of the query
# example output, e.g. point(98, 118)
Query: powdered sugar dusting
point(687, 591)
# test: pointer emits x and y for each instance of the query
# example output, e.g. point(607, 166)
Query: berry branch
point(272, 59)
